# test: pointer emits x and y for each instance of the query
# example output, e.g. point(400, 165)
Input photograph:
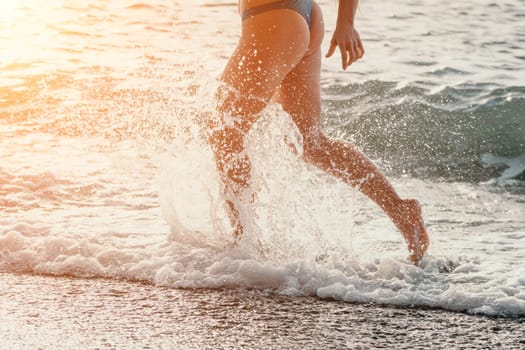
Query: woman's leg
point(271, 45)
point(299, 94)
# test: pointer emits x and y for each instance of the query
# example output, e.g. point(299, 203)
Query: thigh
point(300, 92)
point(300, 95)
point(271, 45)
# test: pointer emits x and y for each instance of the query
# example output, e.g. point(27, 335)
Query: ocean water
point(106, 182)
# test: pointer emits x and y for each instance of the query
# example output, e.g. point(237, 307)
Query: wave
point(514, 167)
point(427, 133)
point(418, 129)
point(439, 283)
point(302, 239)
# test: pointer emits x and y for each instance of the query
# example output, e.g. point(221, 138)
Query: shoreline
point(62, 312)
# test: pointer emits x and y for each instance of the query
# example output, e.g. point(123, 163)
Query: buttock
point(303, 7)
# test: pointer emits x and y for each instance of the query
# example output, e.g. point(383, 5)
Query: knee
point(314, 144)
point(227, 144)
point(238, 105)
point(225, 138)
point(236, 114)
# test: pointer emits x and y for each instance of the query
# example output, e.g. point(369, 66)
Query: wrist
point(346, 12)
point(344, 23)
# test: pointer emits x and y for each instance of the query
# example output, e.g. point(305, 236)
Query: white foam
point(310, 235)
point(514, 166)
point(389, 281)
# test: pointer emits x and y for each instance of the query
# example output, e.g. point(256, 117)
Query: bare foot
point(409, 221)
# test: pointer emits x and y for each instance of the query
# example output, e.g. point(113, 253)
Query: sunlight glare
point(9, 9)
point(24, 29)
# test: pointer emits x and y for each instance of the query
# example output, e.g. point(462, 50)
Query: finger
point(352, 53)
point(356, 51)
point(361, 49)
point(331, 49)
point(344, 57)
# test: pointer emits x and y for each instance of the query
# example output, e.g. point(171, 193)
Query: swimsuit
point(303, 7)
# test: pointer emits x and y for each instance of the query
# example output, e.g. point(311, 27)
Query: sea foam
point(310, 235)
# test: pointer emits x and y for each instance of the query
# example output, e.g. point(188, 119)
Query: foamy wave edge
point(386, 280)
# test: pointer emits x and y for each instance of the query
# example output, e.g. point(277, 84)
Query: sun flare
point(24, 29)
point(10, 9)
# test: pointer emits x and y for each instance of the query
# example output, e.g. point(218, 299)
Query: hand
point(347, 39)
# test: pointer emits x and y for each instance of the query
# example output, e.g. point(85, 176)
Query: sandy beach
point(63, 313)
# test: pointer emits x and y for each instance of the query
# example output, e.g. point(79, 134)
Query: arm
point(345, 36)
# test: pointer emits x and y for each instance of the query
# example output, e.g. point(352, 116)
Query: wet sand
point(41, 312)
